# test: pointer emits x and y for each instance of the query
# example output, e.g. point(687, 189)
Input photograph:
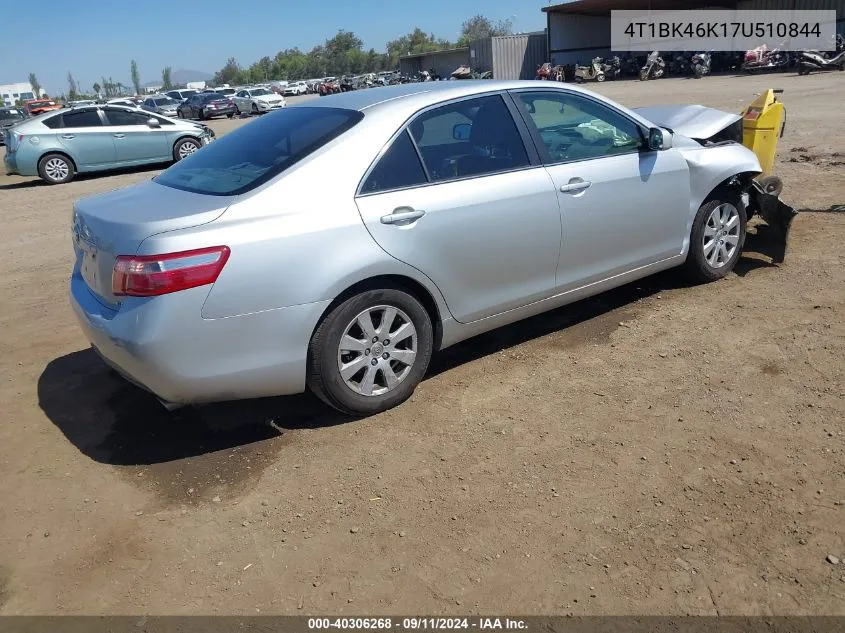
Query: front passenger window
point(572, 127)
point(474, 137)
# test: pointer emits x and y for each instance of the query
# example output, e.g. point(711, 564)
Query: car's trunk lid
point(116, 223)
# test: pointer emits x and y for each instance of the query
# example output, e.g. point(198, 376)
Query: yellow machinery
point(763, 122)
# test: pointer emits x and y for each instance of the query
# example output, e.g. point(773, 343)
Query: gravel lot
point(660, 449)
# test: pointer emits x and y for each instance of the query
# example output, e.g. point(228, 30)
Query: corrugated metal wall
point(481, 55)
point(574, 31)
point(517, 56)
point(444, 62)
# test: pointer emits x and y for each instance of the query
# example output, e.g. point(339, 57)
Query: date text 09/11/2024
point(417, 623)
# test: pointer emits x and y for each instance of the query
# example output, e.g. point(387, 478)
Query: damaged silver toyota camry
point(337, 244)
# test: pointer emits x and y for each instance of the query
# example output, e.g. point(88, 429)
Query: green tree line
point(345, 54)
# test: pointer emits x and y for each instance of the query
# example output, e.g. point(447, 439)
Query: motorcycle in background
point(654, 67)
point(700, 65)
point(613, 68)
point(763, 59)
point(593, 72)
point(808, 61)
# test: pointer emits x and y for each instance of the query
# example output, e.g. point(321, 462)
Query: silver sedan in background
point(445, 210)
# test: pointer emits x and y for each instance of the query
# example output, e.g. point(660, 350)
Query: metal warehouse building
point(507, 56)
point(579, 30)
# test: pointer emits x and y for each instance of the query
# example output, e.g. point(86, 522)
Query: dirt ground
point(660, 449)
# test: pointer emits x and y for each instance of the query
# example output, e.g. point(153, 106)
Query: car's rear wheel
point(254, 109)
point(370, 352)
point(185, 147)
point(56, 169)
point(717, 237)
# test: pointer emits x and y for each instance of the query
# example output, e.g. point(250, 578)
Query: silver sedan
point(445, 210)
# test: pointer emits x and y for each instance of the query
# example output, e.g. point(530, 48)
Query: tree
point(479, 27)
point(136, 77)
point(231, 73)
point(36, 87)
point(96, 88)
point(71, 82)
point(417, 41)
point(166, 84)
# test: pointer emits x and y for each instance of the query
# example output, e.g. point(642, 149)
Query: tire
point(201, 115)
point(600, 77)
point(705, 264)
point(643, 74)
point(183, 148)
point(254, 109)
point(179, 114)
point(325, 353)
point(56, 169)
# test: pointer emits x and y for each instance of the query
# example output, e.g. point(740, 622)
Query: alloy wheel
point(721, 235)
point(377, 350)
point(56, 169)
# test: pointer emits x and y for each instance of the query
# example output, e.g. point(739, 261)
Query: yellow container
point(762, 127)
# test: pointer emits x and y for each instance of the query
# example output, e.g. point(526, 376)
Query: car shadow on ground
point(37, 182)
point(114, 422)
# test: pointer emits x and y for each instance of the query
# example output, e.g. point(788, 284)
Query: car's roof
point(422, 93)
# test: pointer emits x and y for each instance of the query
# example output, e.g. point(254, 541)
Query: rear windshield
point(254, 153)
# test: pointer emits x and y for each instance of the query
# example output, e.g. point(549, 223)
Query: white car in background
point(257, 100)
point(296, 88)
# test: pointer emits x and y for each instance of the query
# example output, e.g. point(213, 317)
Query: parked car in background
point(296, 88)
point(181, 95)
point(124, 101)
point(228, 92)
point(161, 104)
point(8, 118)
point(444, 219)
point(35, 107)
point(258, 100)
point(206, 105)
point(95, 138)
point(81, 102)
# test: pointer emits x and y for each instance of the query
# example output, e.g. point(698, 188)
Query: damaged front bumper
point(763, 201)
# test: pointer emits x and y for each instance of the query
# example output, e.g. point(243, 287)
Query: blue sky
point(95, 38)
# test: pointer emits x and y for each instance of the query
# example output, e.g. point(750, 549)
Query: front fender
point(712, 166)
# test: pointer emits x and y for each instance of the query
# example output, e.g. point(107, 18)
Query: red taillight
point(152, 275)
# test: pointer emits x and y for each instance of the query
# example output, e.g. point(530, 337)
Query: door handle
point(119, 135)
point(67, 136)
point(574, 187)
point(402, 215)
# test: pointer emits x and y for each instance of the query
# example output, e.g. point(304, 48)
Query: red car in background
point(40, 106)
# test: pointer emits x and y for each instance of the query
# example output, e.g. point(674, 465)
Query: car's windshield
point(213, 96)
point(255, 153)
point(164, 101)
point(258, 92)
point(38, 104)
point(188, 93)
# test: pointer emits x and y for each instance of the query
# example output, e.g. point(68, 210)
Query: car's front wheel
point(370, 352)
point(56, 169)
point(717, 237)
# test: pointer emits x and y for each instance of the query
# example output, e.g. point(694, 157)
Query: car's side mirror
point(153, 122)
point(461, 131)
point(659, 139)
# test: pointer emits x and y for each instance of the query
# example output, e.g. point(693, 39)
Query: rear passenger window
point(399, 167)
point(84, 118)
point(53, 122)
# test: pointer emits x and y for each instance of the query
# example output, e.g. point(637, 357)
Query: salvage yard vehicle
point(8, 118)
point(454, 208)
point(34, 107)
point(161, 104)
point(206, 105)
point(258, 100)
point(58, 145)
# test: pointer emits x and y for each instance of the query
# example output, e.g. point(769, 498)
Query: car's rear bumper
point(221, 111)
point(10, 162)
point(163, 345)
